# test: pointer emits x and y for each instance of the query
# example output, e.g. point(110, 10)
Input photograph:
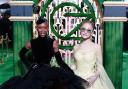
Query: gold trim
point(123, 19)
point(115, 3)
point(20, 3)
point(22, 18)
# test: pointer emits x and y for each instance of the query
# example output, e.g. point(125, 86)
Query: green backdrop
point(12, 66)
point(115, 60)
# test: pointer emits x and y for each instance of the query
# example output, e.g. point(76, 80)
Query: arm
point(24, 50)
point(22, 55)
point(74, 64)
point(93, 78)
point(99, 55)
point(58, 57)
point(99, 59)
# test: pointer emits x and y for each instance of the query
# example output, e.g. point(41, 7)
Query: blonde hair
point(90, 22)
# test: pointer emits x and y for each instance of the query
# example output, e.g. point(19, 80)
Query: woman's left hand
point(92, 79)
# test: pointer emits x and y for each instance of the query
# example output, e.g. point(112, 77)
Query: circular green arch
point(52, 21)
point(81, 14)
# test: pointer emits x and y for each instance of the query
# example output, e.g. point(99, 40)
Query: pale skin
point(86, 31)
point(42, 30)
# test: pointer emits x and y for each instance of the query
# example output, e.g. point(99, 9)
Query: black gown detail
point(41, 75)
point(42, 49)
point(41, 52)
point(47, 77)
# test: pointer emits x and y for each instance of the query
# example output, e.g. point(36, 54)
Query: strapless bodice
point(86, 62)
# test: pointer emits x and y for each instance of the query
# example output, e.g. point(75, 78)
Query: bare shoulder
point(97, 46)
point(55, 42)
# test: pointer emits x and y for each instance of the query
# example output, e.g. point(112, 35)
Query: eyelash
point(88, 30)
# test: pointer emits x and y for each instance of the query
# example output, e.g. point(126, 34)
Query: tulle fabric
point(103, 81)
point(88, 65)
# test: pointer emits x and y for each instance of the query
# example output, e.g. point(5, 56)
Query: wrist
point(98, 72)
point(56, 50)
point(56, 53)
point(26, 47)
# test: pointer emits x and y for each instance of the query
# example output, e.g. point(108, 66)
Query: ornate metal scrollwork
point(4, 47)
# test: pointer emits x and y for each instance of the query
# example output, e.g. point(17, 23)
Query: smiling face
point(86, 30)
point(42, 29)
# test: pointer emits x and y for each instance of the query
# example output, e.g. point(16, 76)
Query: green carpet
point(6, 68)
point(125, 71)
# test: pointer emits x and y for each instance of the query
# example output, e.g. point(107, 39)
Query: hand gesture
point(28, 45)
point(92, 80)
point(56, 46)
